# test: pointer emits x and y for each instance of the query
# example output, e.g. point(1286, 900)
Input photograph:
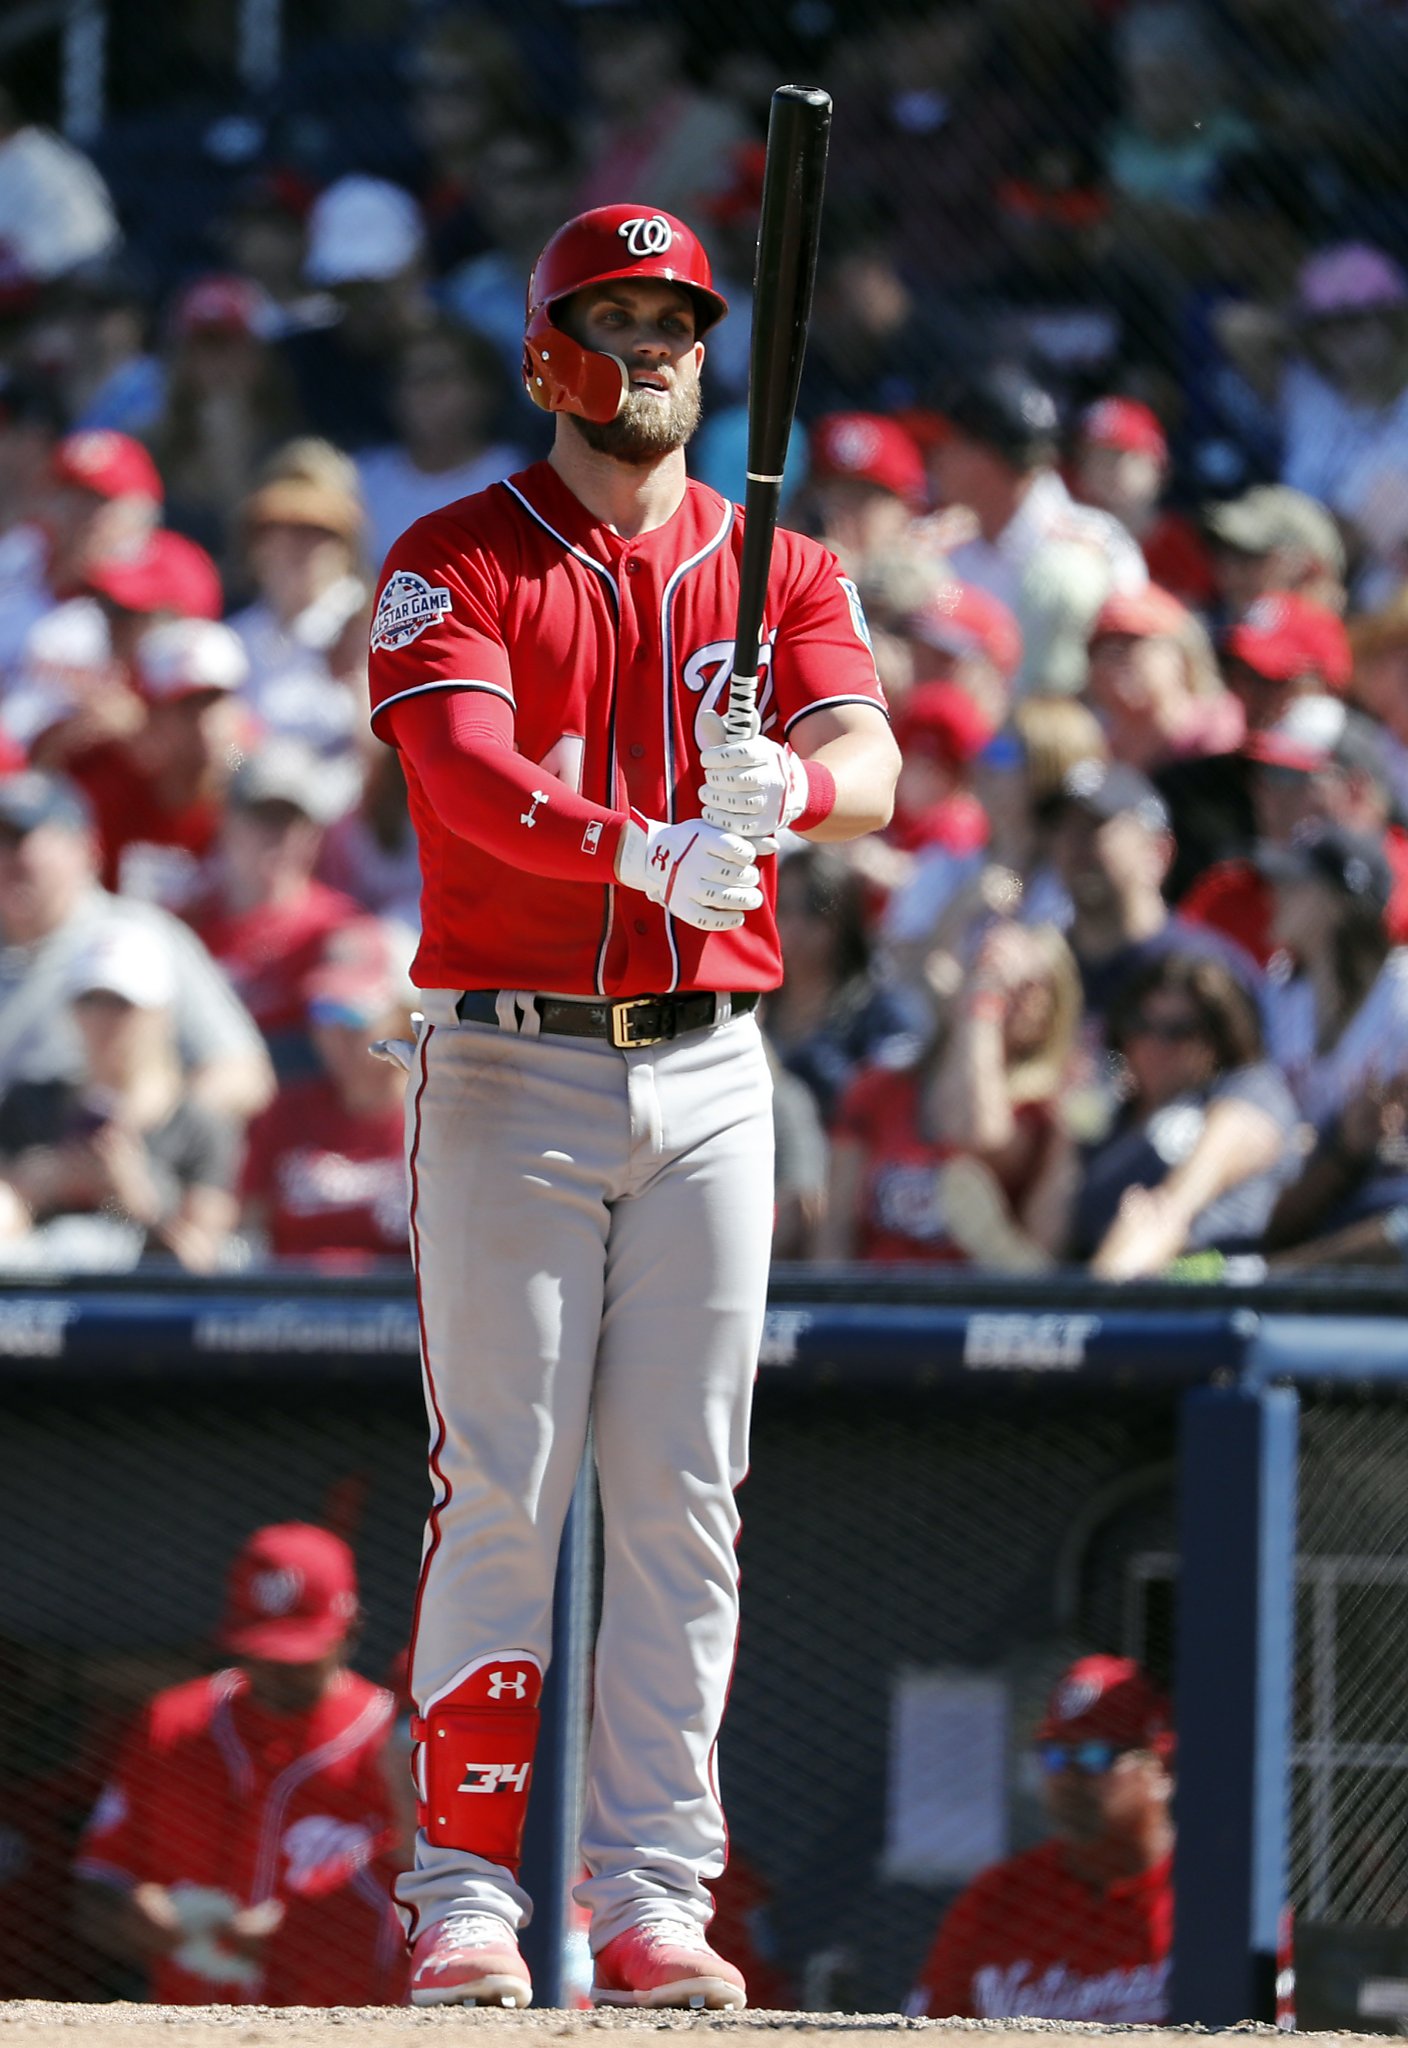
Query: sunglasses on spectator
point(1172, 1030)
point(1092, 1759)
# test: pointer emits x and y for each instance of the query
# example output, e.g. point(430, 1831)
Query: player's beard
point(644, 430)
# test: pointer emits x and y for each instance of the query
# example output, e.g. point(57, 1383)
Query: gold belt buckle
point(622, 1035)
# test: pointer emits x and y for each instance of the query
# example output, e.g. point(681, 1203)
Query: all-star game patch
point(407, 605)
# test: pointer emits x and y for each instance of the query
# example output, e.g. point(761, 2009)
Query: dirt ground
point(33, 2024)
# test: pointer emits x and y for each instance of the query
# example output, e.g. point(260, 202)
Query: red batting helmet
point(609, 242)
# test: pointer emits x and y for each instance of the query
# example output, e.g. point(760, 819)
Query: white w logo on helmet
point(647, 237)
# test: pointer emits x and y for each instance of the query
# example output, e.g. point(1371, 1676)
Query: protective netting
point(896, 1554)
point(1351, 1720)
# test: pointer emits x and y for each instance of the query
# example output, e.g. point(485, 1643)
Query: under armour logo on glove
point(529, 817)
point(702, 876)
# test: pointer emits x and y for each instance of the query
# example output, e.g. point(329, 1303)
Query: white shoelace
point(677, 1933)
point(475, 1930)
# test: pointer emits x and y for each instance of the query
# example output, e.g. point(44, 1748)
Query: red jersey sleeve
point(822, 652)
point(945, 1989)
point(116, 1845)
point(439, 611)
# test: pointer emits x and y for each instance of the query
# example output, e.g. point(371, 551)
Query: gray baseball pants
point(591, 1232)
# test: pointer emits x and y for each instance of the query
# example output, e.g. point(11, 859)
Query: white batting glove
point(701, 875)
point(752, 786)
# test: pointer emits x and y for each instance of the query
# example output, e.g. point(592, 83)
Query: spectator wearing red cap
point(1154, 683)
point(940, 731)
point(229, 404)
point(325, 1173)
point(1122, 466)
point(965, 636)
point(1322, 763)
point(1081, 1927)
point(262, 914)
point(106, 498)
point(158, 796)
point(242, 1851)
point(1286, 646)
point(67, 706)
point(868, 482)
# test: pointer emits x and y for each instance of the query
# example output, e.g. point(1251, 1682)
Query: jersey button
point(641, 926)
point(633, 567)
point(637, 752)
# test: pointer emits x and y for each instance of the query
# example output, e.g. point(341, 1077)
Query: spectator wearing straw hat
point(306, 632)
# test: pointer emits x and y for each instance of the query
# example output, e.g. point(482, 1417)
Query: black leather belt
point(640, 1020)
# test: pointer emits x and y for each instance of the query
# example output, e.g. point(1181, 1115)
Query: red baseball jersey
point(333, 1181)
point(608, 649)
point(900, 1215)
point(212, 1793)
point(1030, 1940)
point(147, 849)
point(270, 951)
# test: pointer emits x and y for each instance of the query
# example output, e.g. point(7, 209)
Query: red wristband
point(821, 796)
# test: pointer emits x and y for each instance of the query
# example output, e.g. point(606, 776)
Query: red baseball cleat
point(469, 1959)
point(666, 1962)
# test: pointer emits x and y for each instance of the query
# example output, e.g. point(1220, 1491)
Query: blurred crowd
point(1105, 414)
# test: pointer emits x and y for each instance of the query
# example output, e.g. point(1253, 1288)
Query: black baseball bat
point(789, 231)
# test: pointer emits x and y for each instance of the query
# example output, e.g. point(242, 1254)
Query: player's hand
point(701, 875)
point(752, 786)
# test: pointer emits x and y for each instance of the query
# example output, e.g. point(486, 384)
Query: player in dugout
point(243, 1848)
point(1081, 1926)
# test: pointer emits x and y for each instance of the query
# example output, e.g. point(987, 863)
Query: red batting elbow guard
point(475, 1760)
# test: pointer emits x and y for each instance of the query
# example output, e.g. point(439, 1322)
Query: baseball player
point(588, 1122)
point(242, 1850)
point(1081, 1926)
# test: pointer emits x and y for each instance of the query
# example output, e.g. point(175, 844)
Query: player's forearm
point(863, 767)
point(460, 745)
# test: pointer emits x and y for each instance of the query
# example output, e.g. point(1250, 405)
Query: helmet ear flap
point(560, 375)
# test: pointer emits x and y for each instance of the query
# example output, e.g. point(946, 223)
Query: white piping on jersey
point(225, 1684)
point(377, 1712)
point(667, 596)
point(825, 704)
point(448, 683)
point(580, 553)
point(591, 562)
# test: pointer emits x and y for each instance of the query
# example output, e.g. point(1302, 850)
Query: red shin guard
point(474, 1763)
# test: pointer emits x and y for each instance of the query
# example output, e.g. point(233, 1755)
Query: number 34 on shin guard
point(474, 1760)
